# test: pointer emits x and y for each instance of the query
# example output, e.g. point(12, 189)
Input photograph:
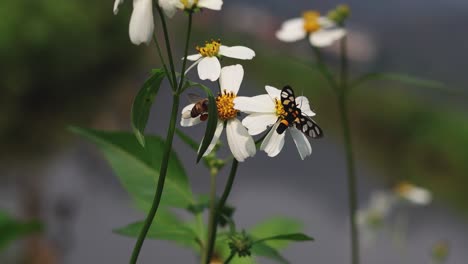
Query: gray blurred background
point(71, 63)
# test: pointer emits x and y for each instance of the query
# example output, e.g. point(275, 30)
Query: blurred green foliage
point(12, 229)
point(58, 59)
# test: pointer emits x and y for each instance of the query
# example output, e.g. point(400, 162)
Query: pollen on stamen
point(279, 109)
point(211, 49)
point(225, 106)
point(311, 23)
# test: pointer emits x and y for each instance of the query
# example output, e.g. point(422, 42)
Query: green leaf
point(278, 225)
point(400, 78)
point(289, 237)
point(142, 103)
point(211, 124)
point(166, 226)
point(11, 229)
point(262, 249)
point(138, 168)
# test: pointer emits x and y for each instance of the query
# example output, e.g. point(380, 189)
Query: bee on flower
point(280, 110)
point(240, 142)
point(321, 31)
point(207, 58)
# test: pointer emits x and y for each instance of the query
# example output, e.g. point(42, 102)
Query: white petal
point(303, 104)
point(273, 92)
point(257, 104)
point(292, 30)
point(210, 4)
point(194, 57)
point(381, 202)
point(325, 22)
point(116, 6)
point(218, 131)
point(326, 37)
point(187, 120)
point(273, 142)
point(240, 142)
point(170, 6)
point(141, 23)
point(193, 65)
point(237, 52)
point(419, 196)
point(302, 144)
point(209, 68)
point(231, 78)
point(258, 122)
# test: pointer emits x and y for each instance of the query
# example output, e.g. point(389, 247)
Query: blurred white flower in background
point(170, 7)
point(413, 194)
point(320, 30)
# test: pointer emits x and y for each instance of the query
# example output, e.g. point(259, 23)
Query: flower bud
point(339, 14)
point(240, 244)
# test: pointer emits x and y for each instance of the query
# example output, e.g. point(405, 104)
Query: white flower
point(413, 194)
point(170, 7)
point(207, 58)
point(240, 142)
point(141, 23)
point(265, 111)
point(321, 30)
point(372, 217)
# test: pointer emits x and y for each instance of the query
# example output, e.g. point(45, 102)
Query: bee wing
point(194, 98)
point(308, 126)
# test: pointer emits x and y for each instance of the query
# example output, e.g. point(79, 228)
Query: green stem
point(216, 213)
point(211, 220)
point(230, 258)
point(322, 66)
point(158, 47)
point(168, 45)
point(184, 63)
point(352, 189)
point(162, 178)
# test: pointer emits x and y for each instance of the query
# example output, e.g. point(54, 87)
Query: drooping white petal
point(237, 52)
point(193, 65)
point(194, 57)
point(141, 23)
point(116, 6)
point(302, 144)
point(259, 122)
point(303, 103)
point(326, 37)
point(170, 6)
point(209, 68)
point(273, 92)
point(240, 142)
point(257, 104)
point(210, 4)
point(291, 30)
point(186, 120)
point(231, 78)
point(218, 131)
point(273, 142)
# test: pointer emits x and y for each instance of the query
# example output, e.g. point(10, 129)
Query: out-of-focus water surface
point(47, 172)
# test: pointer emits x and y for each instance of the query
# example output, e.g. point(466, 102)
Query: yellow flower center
point(225, 105)
point(210, 49)
point(403, 188)
point(311, 23)
point(189, 3)
point(279, 109)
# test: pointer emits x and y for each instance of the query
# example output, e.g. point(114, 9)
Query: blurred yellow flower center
point(210, 49)
point(403, 188)
point(225, 105)
point(279, 109)
point(311, 23)
point(189, 3)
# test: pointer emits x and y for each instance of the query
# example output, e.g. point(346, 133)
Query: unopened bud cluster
point(240, 244)
point(339, 14)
